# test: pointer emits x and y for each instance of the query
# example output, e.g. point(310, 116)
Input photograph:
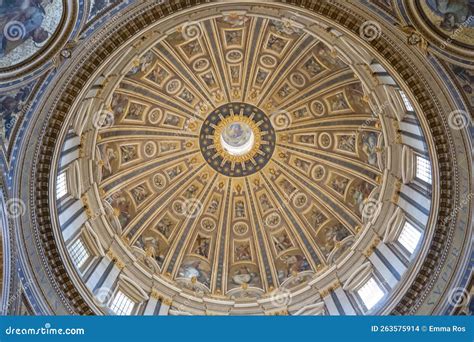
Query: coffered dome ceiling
point(236, 156)
point(244, 159)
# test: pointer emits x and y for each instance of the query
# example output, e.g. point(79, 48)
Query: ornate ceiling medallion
point(32, 34)
point(237, 139)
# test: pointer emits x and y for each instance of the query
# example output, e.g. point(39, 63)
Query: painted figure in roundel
point(452, 18)
point(454, 12)
point(26, 25)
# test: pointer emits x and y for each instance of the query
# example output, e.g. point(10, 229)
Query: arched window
point(423, 169)
point(370, 293)
point(406, 101)
point(61, 185)
point(409, 237)
point(122, 305)
point(79, 253)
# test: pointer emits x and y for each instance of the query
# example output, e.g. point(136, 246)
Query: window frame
point(406, 101)
point(360, 299)
point(62, 180)
point(86, 262)
point(404, 248)
point(119, 292)
point(425, 161)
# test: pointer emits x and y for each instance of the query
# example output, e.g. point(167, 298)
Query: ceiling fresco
point(13, 105)
point(224, 221)
point(26, 26)
point(207, 157)
point(452, 19)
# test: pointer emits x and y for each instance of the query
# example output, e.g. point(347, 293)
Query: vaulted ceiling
point(251, 158)
point(217, 223)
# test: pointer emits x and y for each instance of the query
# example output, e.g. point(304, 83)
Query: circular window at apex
point(237, 139)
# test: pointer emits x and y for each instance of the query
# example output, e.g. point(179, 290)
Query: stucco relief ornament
point(415, 38)
point(65, 53)
point(235, 19)
point(287, 26)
